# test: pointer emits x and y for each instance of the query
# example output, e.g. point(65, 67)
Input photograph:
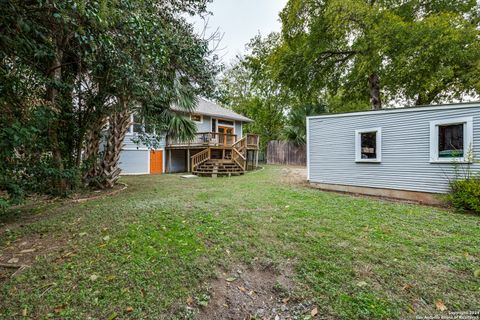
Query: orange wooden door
point(156, 161)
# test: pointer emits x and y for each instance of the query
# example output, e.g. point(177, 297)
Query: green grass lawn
point(165, 238)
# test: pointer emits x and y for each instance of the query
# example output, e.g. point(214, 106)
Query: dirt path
point(254, 293)
point(294, 175)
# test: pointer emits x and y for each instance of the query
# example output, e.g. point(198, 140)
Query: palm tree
point(295, 131)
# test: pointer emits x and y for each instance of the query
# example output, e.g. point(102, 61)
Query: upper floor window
point(196, 117)
point(368, 145)
point(137, 124)
point(226, 122)
point(451, 139)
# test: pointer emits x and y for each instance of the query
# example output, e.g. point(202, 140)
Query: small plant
point(465, 194)
point(465, 189)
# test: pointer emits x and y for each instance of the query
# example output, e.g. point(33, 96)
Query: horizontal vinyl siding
point(405, 150)
point(129, 144)
point(134, 161)
point(205, 126)
point(238, 129)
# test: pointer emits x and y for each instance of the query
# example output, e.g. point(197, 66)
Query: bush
point(465, 194)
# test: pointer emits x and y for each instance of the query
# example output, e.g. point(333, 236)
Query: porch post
point(170, 161)
point(188, 160)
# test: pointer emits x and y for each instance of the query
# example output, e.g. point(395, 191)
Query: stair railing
point(200, 158)
point(240, 145)
point(239, 159)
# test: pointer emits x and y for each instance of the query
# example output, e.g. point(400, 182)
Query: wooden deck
point(213, 139)
point(221, 154)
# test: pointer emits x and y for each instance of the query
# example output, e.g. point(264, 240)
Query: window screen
point(368, 142)
point(196, 117)
point(226, 122)
point(137, 124)
point(450, 141)
point(214, 125)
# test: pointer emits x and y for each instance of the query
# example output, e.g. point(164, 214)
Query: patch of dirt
point(254, 293)
point(294, 175)
point(22, 253)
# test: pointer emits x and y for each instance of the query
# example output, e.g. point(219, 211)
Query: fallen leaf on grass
point(314, 312)
point(476, 273)
point(285, 301)
point(59, 308)
point(362, 284)
point(230, 279)
point(189, 301)
point(440, 305)
point(24, 312)
point(106, 238)
point(27, 251)
point(93, 277)
point(13, 260)
point(129, 309)
point(82, 234)
point(242, 289)
point(407, 287)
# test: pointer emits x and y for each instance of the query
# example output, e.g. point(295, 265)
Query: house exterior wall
point(135, 161)
point(238, 129)
point(405, 149)
point(205, 125)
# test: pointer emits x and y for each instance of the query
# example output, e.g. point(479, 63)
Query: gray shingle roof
point(208, 108)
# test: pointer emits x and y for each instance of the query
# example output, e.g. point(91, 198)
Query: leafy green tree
point(247, 88)
point(369, 51)
point(67, 67)
point(295, 129)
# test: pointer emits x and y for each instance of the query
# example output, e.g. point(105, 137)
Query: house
point(408, 153)
point(218, 148)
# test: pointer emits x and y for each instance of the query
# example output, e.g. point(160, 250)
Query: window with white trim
point(196, 117)
point(451, 140)
point(368, 145)
point(137, 123)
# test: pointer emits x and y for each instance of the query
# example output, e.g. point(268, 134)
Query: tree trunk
point(374, 88)
point(91, 150)
point(55, 76)
point(109, 172)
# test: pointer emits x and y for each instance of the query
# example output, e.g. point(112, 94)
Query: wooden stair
point(226, 161)
point(216, 167)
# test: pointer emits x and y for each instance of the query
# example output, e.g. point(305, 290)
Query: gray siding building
point(414, 150)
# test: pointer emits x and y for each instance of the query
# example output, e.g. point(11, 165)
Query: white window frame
point(358, 145)
point(467, 139)
point(196, 114)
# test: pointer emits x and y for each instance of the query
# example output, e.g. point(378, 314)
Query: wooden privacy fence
point(287, 153)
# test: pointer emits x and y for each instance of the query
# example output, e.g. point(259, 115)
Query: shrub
point(465, 194)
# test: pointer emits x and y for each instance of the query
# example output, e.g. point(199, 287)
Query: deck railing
point(252, 140)
point(205, 139)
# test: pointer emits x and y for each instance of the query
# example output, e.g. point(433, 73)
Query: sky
point(239, 21)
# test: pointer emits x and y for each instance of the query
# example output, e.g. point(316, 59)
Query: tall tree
point(369, 51)
point(67, 67)
point(248, 88)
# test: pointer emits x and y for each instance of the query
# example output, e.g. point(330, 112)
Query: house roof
point(208, 108)
point(403, 109)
